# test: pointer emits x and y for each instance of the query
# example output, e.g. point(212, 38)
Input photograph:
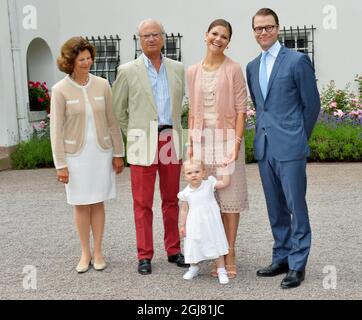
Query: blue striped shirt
point(160, 90)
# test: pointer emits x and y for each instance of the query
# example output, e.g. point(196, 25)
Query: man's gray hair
point(148, 21)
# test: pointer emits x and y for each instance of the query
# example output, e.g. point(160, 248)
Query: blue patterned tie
point(263, 76)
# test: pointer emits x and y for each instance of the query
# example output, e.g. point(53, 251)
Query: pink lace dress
point(234, 198)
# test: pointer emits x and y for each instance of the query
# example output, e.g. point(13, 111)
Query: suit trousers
point(285, 185)
point(143, 185)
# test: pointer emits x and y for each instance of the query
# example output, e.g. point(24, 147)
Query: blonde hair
point(190, 162)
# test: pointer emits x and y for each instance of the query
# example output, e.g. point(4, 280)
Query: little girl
point(200, 222)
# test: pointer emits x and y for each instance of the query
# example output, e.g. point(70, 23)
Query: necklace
point(84, 83)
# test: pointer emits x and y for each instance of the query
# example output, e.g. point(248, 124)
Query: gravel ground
point(36, 228)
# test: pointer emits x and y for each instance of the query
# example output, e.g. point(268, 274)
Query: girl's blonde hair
point(190, 162)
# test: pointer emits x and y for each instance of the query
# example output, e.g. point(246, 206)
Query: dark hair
point(265, 12)
point(70, 51)
point(223, 23)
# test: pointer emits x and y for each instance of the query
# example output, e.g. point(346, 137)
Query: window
point(299, 39)
point(107, 57)
point(171, 49)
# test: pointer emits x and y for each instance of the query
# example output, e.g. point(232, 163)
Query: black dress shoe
point(144, 266)
point(179, 259)
point(293, 279)
point(273, 270)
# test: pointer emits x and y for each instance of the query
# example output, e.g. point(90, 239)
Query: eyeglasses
point(148, 36)
point(268, 29)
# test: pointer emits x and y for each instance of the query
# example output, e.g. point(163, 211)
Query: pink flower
point(339, 113)
point(42, 124)
point(354, 114)
point(41, 100)
point(250, 114)
point(333, 105)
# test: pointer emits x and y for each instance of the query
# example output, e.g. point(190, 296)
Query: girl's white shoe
point(191, 273)
point(223, 276)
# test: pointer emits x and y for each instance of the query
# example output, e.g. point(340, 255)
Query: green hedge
point(35, 153)
point(336, 142)
point(341, 142)
point(249, 139)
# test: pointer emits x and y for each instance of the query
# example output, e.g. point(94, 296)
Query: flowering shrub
point(250, 115)
point(39, 98)
point(341, 104)
point(185, 113)
point(42, 128)
point(358, 79)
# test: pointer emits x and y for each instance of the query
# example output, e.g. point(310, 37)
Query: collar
point(274, 49)
point(148, 62)
point(197, 189)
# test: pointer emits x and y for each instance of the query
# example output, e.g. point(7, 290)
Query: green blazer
point(136, 110)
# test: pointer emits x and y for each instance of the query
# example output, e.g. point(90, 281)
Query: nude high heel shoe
point(231, 268)
point(100, 266)
point(82, 268)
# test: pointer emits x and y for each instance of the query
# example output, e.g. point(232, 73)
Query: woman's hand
point(189, 152)
point(118, 165)
point(233, 156)
point(63, 175)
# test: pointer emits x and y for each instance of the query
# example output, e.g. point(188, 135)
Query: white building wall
point(337, 51)
point(8, 113)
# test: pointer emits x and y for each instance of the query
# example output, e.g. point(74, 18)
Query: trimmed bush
point(342, 142)
point(35, 153)
point(249, 140)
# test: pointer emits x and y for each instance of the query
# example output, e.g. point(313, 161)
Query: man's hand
point(118, 165)
point(182, 230)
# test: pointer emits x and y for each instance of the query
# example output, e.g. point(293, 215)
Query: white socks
point(191, 273)
point(222, 275)
point(194, 271)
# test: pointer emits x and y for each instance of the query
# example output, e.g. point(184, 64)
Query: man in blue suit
point(283, 88)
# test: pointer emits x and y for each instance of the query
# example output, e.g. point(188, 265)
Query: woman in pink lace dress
point(218, 103)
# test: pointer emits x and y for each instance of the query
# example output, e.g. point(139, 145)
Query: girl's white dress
point(205, 235)
point(91, 176)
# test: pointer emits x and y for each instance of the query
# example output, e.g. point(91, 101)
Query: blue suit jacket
point(291, 107)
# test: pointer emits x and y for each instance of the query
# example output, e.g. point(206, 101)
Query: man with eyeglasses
point(283, 88)
point(147, 99)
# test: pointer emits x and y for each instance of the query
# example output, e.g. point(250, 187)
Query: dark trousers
point(285, 185)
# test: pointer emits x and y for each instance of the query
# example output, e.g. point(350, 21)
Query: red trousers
point(143, 186)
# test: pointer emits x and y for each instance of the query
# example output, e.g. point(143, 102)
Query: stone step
point(4, 161)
